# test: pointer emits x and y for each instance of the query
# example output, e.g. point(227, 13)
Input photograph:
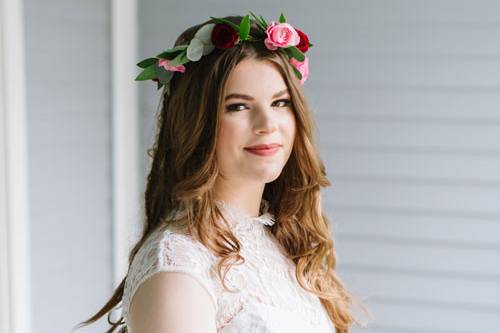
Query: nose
point(265, 120)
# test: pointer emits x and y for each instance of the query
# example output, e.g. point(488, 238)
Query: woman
point(234, 239)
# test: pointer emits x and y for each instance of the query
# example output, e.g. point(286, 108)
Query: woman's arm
point(171, 302)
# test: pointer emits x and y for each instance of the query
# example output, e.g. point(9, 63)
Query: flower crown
point(224, 34)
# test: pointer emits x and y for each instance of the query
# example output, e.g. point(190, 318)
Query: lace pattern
point(167, 251)
point(265, 282)
point(267, 276)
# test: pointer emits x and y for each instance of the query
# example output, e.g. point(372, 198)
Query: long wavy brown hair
point(184, 170)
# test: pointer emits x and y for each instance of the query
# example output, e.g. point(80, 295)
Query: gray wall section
point(406, 96)
point(68, 91)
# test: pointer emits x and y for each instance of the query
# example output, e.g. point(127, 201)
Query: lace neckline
point(238, 216)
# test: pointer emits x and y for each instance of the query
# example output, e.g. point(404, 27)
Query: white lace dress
point(270, 299)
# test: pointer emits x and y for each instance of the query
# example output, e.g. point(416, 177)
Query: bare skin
point(265, 119)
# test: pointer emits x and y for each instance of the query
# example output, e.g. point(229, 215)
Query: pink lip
point(264, 146)
point(263, 152)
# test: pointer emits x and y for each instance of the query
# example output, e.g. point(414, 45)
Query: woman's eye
point(234, 107)
point(286, 101)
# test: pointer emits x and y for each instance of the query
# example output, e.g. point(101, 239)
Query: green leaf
point(163, 75)
point(180, 59)
point(172, 53)
point(245, 27)
point(294, 52)
point(299, 75)
point(147, 62)
point(147, 74)
point(282, 18)
point(257, 20)
point(264, 21)
point(178, 48)
point(311, 45)
point(224, 21)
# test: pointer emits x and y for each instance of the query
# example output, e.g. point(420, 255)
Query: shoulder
point(171, 302)
point(170, 245)
point(174, 246)
point(170, 250)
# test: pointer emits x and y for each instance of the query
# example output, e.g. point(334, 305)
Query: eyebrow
point(250, 98)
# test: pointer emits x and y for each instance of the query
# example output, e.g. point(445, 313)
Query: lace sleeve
point(168, 251)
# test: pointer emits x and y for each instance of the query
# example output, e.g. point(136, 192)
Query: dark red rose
point(303, 45)
point(224, 36)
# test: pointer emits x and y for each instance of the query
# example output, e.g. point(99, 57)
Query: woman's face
point(257, 110)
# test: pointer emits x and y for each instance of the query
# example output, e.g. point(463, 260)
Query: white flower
point(194, 50)
point(205, 33)
point(201, 44)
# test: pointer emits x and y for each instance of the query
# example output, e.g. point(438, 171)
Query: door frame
point(15, 308)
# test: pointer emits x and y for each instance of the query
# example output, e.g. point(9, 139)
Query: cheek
point(290, 127)
point(228, 134)
point(289, 132)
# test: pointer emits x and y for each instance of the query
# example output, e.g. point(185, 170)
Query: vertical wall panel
point(410, 130)
point(15, 288)
point(69, 109)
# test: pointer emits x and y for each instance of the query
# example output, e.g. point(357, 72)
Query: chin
point(267, 176)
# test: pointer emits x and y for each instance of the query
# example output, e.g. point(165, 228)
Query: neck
point(241, 195)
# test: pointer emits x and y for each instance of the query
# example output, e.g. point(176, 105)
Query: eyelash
point(229, 107)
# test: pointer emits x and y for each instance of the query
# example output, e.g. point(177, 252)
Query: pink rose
point(165, 63)
point(302, 67)
point(281, 35)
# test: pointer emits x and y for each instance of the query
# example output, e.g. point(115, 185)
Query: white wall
point(68, 61)
point(15, 288)
point(409, 113)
